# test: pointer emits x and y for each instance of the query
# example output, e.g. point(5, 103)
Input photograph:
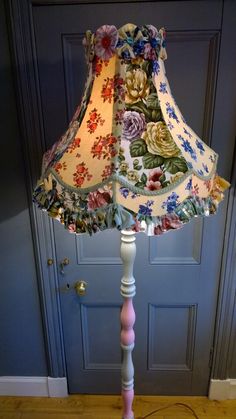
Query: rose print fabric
point(128, 158)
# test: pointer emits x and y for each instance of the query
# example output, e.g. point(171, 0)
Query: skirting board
point(57, 387)
point(222, 389)
point(33, 386)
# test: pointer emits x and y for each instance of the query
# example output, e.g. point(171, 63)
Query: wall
point(22, 343)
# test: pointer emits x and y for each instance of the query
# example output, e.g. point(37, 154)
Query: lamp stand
point(127, 289)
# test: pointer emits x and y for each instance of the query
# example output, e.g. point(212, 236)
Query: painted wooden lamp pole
point(128, 252)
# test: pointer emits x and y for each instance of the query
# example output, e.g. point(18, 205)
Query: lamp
point(128, 159)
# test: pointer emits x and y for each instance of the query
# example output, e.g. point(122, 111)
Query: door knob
point(80, 288)
point(50, 262)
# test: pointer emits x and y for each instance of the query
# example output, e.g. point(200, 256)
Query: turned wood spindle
point(128, 251)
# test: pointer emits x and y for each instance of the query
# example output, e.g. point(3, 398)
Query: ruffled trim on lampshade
point(110, 215)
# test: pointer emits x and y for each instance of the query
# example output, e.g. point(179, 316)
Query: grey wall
point(21, 332)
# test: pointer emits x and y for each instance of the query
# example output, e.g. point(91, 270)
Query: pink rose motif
point(168, 222)
point(149, 52)
point(155, 174)
point(98, 199)
point(153, 32)
point(153, 183)
point(72, 228)
point(106, 40)
point(171, 221)
point(137, 226)
point(157, 231)
point(153, 186)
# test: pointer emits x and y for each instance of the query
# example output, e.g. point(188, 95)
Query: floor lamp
point(128, 159)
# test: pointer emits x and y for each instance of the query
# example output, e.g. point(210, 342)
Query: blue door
point(177, 275)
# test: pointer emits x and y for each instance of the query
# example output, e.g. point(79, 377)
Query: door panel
point(178, 322)
point(171, 253)
point(93, 252)
point(177, 274)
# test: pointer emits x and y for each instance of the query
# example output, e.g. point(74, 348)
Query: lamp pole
point(128, 252)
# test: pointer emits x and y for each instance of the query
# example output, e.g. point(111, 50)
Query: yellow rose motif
point(175, 177)
point(219, 186)
point(137, 60)
point(221, 183)
point(159, 140)
point(137, 86)
point(133, 175)
point(123, 166)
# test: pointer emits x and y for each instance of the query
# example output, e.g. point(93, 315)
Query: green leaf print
point(138, 148)
point(136, 165)
point(152, 101)
point(150, 161)
point(175, 164)
point(143, 178)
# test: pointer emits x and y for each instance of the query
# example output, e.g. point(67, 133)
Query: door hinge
point(211, 357)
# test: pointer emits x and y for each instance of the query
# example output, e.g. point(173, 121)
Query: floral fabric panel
point(149, 158)
point(89, 158)
point(59, 147)
point(200, 158)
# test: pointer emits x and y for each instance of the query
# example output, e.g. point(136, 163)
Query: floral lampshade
point(128, 158)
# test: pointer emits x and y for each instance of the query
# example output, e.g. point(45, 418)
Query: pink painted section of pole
point(127, 318)
point(128, 397)
point(128, 251)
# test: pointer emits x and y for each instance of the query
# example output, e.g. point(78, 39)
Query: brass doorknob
point(80, 288)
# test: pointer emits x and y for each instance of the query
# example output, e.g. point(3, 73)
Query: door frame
point(24, 64)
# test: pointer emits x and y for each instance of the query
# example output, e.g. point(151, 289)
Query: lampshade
point(128, 158)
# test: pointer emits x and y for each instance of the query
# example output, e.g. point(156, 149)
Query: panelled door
point(177, 275)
